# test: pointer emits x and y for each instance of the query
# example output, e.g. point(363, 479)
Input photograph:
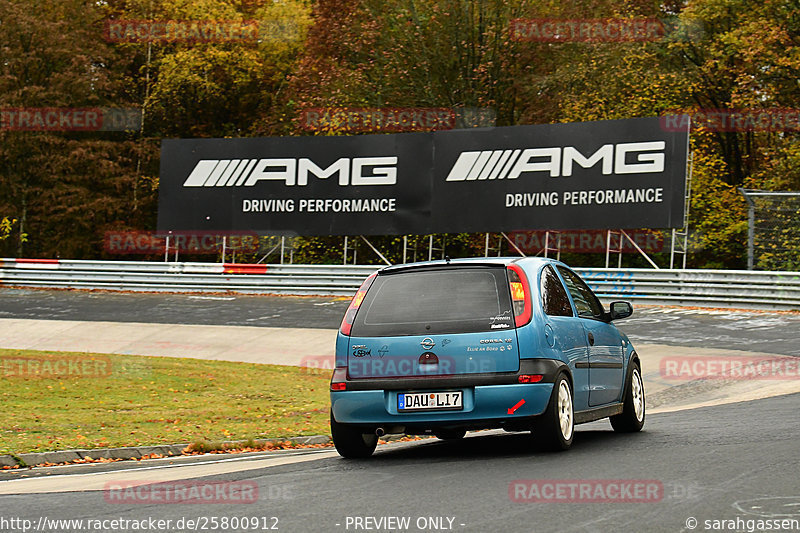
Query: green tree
point(214, 89)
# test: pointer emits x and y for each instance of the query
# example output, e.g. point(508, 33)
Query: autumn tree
point(191, 87)
point(63, 187)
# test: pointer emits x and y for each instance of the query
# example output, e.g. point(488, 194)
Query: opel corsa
point(446, 347)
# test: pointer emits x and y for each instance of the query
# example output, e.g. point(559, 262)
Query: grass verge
point(67, 400)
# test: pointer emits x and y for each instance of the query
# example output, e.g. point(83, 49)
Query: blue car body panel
point(597, 368)
point(482, 403)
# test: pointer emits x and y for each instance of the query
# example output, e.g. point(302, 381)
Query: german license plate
point(424, 401)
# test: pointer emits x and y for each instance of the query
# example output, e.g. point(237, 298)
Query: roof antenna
point(447, 259)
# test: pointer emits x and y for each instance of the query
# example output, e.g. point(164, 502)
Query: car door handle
point(591, 339)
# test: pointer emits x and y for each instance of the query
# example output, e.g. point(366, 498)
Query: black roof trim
point(396, 269)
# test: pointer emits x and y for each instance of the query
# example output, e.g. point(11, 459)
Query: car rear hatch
point(435, 321)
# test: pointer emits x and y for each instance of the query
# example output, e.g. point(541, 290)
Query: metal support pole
point(681, 236)
point(224, 248)
point(486, 248)
point(344, 262)
point(430, 248)
point(513, 244)
point(686, 250)
point(751, 236)
point(405, 249)
point(283, 247)
point(268, 254)
point(608, 247)
point(638, 249)
point(672, 250)
point(376, 251)
point(751, 228)
point(166, 250)
point(687, 208)
point(558, 253)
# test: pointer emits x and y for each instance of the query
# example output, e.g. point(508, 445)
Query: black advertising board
point(612, 174)
point(356, 185)
point(593, 175)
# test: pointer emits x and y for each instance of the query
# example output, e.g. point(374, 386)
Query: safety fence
point(702, 288)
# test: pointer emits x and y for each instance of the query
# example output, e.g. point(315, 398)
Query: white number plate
point(423, 401)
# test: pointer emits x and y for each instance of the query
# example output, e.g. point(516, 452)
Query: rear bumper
point(486, 401)
point(484, 406)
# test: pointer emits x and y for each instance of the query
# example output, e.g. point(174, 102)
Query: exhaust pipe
point(380, 432)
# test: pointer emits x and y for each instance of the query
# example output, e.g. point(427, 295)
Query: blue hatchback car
point(445, 347)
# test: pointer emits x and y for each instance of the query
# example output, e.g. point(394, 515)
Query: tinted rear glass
point(429, 302)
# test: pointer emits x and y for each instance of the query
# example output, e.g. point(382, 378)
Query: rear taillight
point(520, 294)
point(338, 380)
point(529, 378)
point(350, 315)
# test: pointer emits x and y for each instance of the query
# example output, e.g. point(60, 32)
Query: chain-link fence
point(773, 230)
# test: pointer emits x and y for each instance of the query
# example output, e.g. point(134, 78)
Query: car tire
point(631, 419)
point(450, 434)
point(350, 442)
point(555, 428)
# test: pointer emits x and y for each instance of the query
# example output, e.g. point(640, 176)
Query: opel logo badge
point(427, 343)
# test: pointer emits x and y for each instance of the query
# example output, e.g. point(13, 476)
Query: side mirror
point(620, 310)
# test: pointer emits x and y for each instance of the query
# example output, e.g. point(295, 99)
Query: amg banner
point(355, 185)
point(614, 174)
point(593, 175)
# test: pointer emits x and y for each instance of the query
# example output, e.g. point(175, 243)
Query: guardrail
point(331, 280)
point(744, 289)
point(702, 288)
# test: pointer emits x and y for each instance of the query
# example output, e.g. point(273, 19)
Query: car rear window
point(429, 302)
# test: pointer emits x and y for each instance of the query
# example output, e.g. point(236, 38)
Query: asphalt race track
point(713, 463)
point(776, 333)
point(731, 467)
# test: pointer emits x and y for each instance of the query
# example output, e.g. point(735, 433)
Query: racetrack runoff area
point(676, 377)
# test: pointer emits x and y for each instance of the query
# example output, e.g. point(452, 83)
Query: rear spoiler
point(395, 269)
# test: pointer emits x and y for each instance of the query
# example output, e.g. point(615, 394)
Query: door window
point(555, 301)
point(586, 303)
